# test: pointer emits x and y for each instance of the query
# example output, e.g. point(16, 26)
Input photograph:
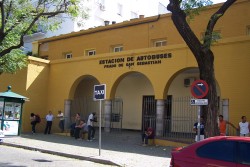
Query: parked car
point(219, 151)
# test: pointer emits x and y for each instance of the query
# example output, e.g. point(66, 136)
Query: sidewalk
point(118, 148)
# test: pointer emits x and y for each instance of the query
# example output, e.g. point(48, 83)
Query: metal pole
point(199, 124)
point(100, 127)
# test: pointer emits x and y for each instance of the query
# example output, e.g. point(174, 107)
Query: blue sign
point(99, 92)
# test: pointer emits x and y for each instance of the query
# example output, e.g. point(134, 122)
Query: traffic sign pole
point(100, 94)
point(199, 124)
point(199, 89)
point(100, 128)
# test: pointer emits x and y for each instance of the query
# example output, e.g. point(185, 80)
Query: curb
point(100, 161)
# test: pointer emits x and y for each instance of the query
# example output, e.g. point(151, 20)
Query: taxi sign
point(199, 102)
point(199, 89)
point(99, 92)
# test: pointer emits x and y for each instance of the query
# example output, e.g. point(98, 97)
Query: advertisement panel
point(10, 127)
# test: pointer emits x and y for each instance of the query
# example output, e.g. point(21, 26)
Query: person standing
point(91, 129)
point(61, 122)
point(33, 123)
point(244, 127)
point(202, 129)
point(223, 125)
point(49, 119)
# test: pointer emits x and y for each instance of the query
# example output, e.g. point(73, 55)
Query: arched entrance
point(133, 89)
point(82, 101)
point(179, 115)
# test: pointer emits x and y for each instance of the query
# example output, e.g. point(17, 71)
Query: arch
point(120, 78)
point(189, 71)
point(77, 82)
point(131, 89)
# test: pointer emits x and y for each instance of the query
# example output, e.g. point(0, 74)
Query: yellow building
point(147, 69)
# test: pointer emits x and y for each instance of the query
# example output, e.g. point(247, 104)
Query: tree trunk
point(205, 59)
point(210, 112)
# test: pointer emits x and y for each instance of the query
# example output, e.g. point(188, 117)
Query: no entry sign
point(199, 89)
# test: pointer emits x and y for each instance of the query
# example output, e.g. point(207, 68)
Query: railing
point(180, 129)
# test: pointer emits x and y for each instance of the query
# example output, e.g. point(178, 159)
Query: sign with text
point(99, 92)
point(132, 61)
point(199, 102)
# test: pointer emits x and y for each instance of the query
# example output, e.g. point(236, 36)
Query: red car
point(219, 151)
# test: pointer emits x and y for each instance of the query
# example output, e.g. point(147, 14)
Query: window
point(90, 52)
point(160, 43)
point(68, 55)
point(118, 48)
point(244, 153)
point(219, 150)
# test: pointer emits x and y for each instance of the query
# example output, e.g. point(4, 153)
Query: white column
point(107, 115)
point(225, 111)
point(67, 106)
point(159, 117)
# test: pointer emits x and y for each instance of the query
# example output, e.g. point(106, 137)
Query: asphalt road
point(17, 157)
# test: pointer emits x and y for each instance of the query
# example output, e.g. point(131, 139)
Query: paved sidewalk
point(118, 148)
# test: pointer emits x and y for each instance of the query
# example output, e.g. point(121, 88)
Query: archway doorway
point(132, 90)
point(83, 102)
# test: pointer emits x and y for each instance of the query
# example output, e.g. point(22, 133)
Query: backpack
point(38, 118)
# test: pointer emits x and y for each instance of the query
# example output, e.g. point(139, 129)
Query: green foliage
point(13, 62)
point(211, 39)
point(194, 7)
point(24, 17)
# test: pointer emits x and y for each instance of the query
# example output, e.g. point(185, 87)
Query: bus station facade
point(147, 69)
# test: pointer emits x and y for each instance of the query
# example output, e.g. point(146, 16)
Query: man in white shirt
point(49, 119)
point(91, 129)
point(61, 122)
point(244, 127)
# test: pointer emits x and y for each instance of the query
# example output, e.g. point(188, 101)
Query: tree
point(24, 17)
point(201, 51)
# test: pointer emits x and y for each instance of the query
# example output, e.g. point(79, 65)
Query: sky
point(218, 1)
point(214, 1)
point(146, 10)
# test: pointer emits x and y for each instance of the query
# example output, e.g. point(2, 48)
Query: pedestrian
point(148, 133)
point(79, 130)
point(202, 129)
point(223, 125)
point(77, 123)
point(91, 129)
point(61, 122)
point(33, 123)
point(84, 129)
point(49, 118)
point(244, 127)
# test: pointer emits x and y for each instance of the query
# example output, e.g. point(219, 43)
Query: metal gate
point(148, 112)
point(116, 114)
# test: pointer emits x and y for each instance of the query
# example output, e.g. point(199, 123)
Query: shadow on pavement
point(125, 141)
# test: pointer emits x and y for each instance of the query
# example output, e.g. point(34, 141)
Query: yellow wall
point(49, 83)
point(30, 82)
